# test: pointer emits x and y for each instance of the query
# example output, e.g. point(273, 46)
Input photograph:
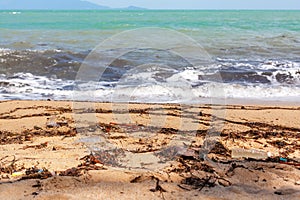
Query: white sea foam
point(177, 88)
point(5, 51)
point(14, 13)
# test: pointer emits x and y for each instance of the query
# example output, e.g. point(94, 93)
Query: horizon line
point(254, 9)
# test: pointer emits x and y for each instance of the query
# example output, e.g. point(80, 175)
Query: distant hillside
point(49, 5)
point(134, 8)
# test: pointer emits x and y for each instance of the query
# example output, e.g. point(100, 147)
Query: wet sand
point(55, 150)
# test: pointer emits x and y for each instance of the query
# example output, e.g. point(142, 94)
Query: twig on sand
point(38, 146)
point(158, 187)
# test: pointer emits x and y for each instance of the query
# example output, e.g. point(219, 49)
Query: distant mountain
point(48, 5)
point(134, 8)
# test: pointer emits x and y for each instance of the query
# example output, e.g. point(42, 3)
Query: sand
point(81, 150)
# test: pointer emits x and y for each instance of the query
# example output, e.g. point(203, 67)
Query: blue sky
point(203, 4)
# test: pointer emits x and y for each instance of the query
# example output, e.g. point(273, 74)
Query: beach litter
point(9, 169)
point(250, 153)
point(36, 173)
point(260, 155)
point(17, 174)
point(289, 162)
point(51, 123)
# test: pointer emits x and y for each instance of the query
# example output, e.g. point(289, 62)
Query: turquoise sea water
point(252, 50)
point(70, 20)
point(212, 29)
point(179, 19)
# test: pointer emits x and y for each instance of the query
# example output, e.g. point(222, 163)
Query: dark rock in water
point(4, 84)
point(235, 77)
point(267, 73)
point(63, 65)
point(250, 77)
point(68, 87)
point(284, 78)
point(42, 44)
point(162, 76)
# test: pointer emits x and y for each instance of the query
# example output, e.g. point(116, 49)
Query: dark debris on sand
point(221, 170)
point(9, 167)
point(90, 163)
point(7, 137)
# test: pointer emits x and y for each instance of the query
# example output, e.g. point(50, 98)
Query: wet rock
point(284, 78)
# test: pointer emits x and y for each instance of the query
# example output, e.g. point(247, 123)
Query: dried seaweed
point(7, 137)
point(220, 149)
point(200, 183)
point(90, 163)
point(8, 167)
point(109, 157)
point(168, 131)
point(35, 173)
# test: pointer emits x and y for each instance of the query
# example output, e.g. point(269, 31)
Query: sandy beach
point(47, 153)
point(213, 86)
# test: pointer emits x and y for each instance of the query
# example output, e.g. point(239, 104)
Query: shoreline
point(46, 151)
point(202, 101)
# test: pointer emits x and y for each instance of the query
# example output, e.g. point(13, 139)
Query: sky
point(203, 4)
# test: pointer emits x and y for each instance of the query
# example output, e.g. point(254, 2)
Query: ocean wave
point(58, 63)
point(160, 75)
point(5, 52)
point(180, 89)
point(15, 13)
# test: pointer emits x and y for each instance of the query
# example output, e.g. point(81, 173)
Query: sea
point(162, 56)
